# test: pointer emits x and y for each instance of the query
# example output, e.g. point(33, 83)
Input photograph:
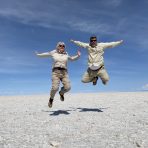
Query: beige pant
point(90, 74)
point(57, 76)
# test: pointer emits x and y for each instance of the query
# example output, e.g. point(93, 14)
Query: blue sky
point(37, 25)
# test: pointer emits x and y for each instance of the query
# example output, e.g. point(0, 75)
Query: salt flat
point(97, 120)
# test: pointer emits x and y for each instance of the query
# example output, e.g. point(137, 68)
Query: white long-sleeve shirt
point(95, 54)
point(59, 59)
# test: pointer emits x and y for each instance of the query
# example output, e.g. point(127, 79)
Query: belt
point(96, 69)
point(59, 68)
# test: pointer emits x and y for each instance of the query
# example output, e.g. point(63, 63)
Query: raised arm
point(81, 44)
point(111, 44)
point(73, 58)
point(45, 54)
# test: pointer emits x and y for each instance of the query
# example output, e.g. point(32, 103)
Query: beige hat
point(59, 43)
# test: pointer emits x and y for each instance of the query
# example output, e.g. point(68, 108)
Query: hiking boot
point(50, 103)
point(61, 96)
point(95, 80)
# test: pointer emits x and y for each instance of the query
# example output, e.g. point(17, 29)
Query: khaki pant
point(90, 74)
point(57, 76)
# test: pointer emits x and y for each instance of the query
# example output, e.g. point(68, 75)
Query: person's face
point(61, 48)
point(93, 42)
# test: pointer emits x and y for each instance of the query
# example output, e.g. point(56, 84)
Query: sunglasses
point(61, 45)
point(93, 40)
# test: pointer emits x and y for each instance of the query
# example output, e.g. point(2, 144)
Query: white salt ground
point(101, 120)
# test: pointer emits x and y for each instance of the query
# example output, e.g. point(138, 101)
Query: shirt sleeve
point(73, 58)
point(45, 54)
point(111, 44)
point(81, 44)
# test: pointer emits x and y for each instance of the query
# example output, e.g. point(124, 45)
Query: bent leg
point(55, 85)
point(86, 78)
point(66, 83)
point(104, 76)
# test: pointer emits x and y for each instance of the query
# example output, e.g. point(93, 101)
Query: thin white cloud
point(51, 15)
point(18, 64)
point(67, 16)
point(145, 87)
point(90, 26)
point(32, 12)
point(114, 3)
point(110, 3)
point(135, 33)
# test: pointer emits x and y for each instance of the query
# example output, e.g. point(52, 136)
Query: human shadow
point(91, 109)
point(67, 112)
point(59, 112)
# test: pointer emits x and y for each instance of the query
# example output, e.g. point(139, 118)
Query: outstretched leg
point(55, 87)
point(66, 85)
point(104, 76)
point(86, 78)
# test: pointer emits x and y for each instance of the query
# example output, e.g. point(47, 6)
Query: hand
point(121, 41)
point(79, 53)
point(36, 53)
point(71, 40)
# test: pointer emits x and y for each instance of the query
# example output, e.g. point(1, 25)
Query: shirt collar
point(61, 52)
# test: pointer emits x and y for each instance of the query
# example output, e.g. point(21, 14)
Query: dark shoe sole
point(61, 96)
point(50, 103)
point(95, 80)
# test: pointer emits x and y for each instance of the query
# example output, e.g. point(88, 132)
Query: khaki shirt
point(95, 54)
point(59, 59)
